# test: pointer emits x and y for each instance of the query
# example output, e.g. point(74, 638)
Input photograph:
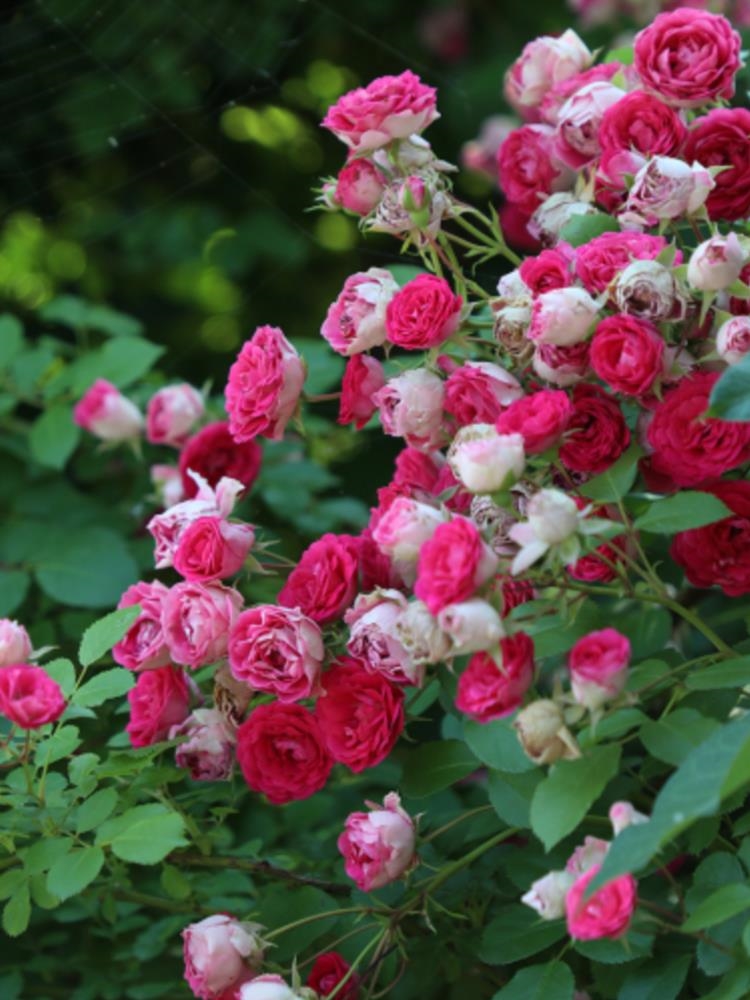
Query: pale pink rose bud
point(485, 461)
point(624, 814)
point(411, 407)
point(553, 516)
point(374, 639)
point(511, 324)
point(578, 121)
point(733, 339)
point(547, 895)
point(555, 212)
point(167, 482)
point(196, 619)
point(403, 529)
point(378, 847)
point(15, 645)
point(715, 263)
point(220, 954)
point(420, 634)
point(544, 62)
point(208, 752)
point(415, 198)
point(359, 187)
point(356, 320)
point(171, 414)
point(104, 412)
point(472, 626)
point(598, 665)
point(512, 289)
point(665, 189)
point(647, 289)
point(561, 366)
point(542, 733)
point(563, 316)
point(273, 987)
point(591, 852)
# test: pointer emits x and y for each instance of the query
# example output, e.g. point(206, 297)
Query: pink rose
point(411, 407)
point(143, 646)
point(15, 645)
point(716, 263)
point(597, 432)
point(388, 108)
point(733, 339)
point(549, 270)
point(544, 62)
point(558, 95)
point(641, 122)
point(158, 702)
point(540, 418)
point(208, 751)
point(104, 412)
point(688, 57)
point(627, 353)
point(666, 189)
point(722, 139)
point(378, 846)
point(423, 314)
point(478, 391)
point(196, 618)
point(416, 470)
point(598, 666)
point(562, 317)
point(606, 913)
point(278, 651)
point(359, 186)
point(484, 461)
point(29, 697)
point(493, 686)
point(171, 414)
point(374, 638)
point(363, 377)
point(578, 122)
point(211, 548)
point(471, 626)
point(214, 454)
point(529, 170)
point(220, 954)
point(601, 260)
point(264, 386)
point(168, 527)
point(356, 320)
point(453, 565)
point(324, 582)
point(402, 531)
point(591, 852)
point(624, 814)
point(562, 366)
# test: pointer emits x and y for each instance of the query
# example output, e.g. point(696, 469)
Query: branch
point(265, 868)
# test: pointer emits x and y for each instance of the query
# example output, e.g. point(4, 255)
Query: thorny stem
point(256, 867)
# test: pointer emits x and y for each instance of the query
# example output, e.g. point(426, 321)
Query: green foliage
point(730, 397)
point(106, 632)
point(583, 228)
point(685, 510)
point(553, 981)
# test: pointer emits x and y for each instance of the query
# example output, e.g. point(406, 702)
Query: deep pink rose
point(208, 751)
point(562, 365)
point(143, 646)
point(211, 548)
point(324, 582)
point(540, 418)
point(15, 645)
point(378, 846)
point(171, 414)
point(277, 650)
point(423, 314)
point(327, 972)
point(29, 697)
point(550, 269)
point(213, 453)
point(168, 527)
point(359, 186)
point(606, 913)
point(627, 353)
point(688, 447)
point(688, 57)
point(599, 261)
point(363, 377)
point(220, 954)
point(598, 665)
point(597, 432)
point(722, 139)
point(453, 565)
point(641, 122)
point(411, 407)
point(281, 752)
point(493, 686)
point(528, 168)
point(718, 554)
point(196, 618)
point(374, 638)
point(355, 322)
point(478, 391)
point(417, 471)
point(388, 108)
point(264, 386)
point(104, 412)
point(158, 701)
point(361, 715)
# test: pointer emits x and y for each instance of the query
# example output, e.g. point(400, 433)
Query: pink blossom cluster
point(29, 697)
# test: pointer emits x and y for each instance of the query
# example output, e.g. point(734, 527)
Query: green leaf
point(324, 368)
point(11, 338)
point(496, 745)
point(404, 273)
point(721, 905)
point(86, 567)
point(78, 314)
point(615, 482)
point(434, 766)
point(41, 895)
point(606, 951)
point(671, 739)
point(54, 436)
point(584, 228)
point(11, 880)
point(96, 809)
point(108, 684)
point(733, 674)
point(553, 981)
point(174, 883)
point(623, 55)
point(564, 797)
point(143, 834)
point(14, 586)
point(121, 362)
point(62, 671)
point(511, 795)
point(730, 396)
point(681, 512)
point(70, 876)
point(517, 932)
point(44, 853)
point(734, 986)
point(100, 637)
point(60, 744)
point(17, 911)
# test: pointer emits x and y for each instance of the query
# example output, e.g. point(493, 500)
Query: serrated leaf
point(564, 797)
point(96, 809)
point(434, 766)
point(615, 482)
point(672, 738)
point(174, 883)
point(517, 932)
point(682, 512)
point(496, 745)
point(60, 744)
point(730, 396)
point(44, 853)
point(733, 674)
point(108, 684)
point(17, 911)
point(70, 875)
point(584, 228)
point(721, 905)
point(54, 436)
point(62, 671)
point(144, 834)
point(100, 637)
point(553, 981)
point(10, 881)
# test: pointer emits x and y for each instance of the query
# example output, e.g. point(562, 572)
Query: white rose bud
point(485, 461)
point(624, 814)
point(733, 339)
point(547, 895)
point(421, 636)
point(715, 263)
point(472, 626)
point(553, 516)
point(555, 213)
point(563, 316)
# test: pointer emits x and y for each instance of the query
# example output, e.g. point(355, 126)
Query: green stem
point(455, 822)
point(318, 916)
point(450, 870)
point(190, 860)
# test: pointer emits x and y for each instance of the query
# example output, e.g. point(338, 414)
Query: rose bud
point(423, 314)
point(552, 519)
point(544, 62)
point(420, 635)
point(485, 461)
point(356, 320)
point(547, 895)
point(171, 414)
point(143, 646)
point(208, 753)
point(453, 565)
point(646, 289)
point(359, 187)
point(733, 339)
point(220, 954)
point(606, 913)
point(542, 733)
point(562, 317)
point(623, 815)
point(402, 531)
point(553, 215)
point(15, 645)
point(29, 697)
point(591, 852)
point(273, 987)
point(716, 263)
point(167, 483)
point(411, 407)
point(107, 414)
point(598, 667)
point(471, 626)
point(327, 972)
point(378, 847)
